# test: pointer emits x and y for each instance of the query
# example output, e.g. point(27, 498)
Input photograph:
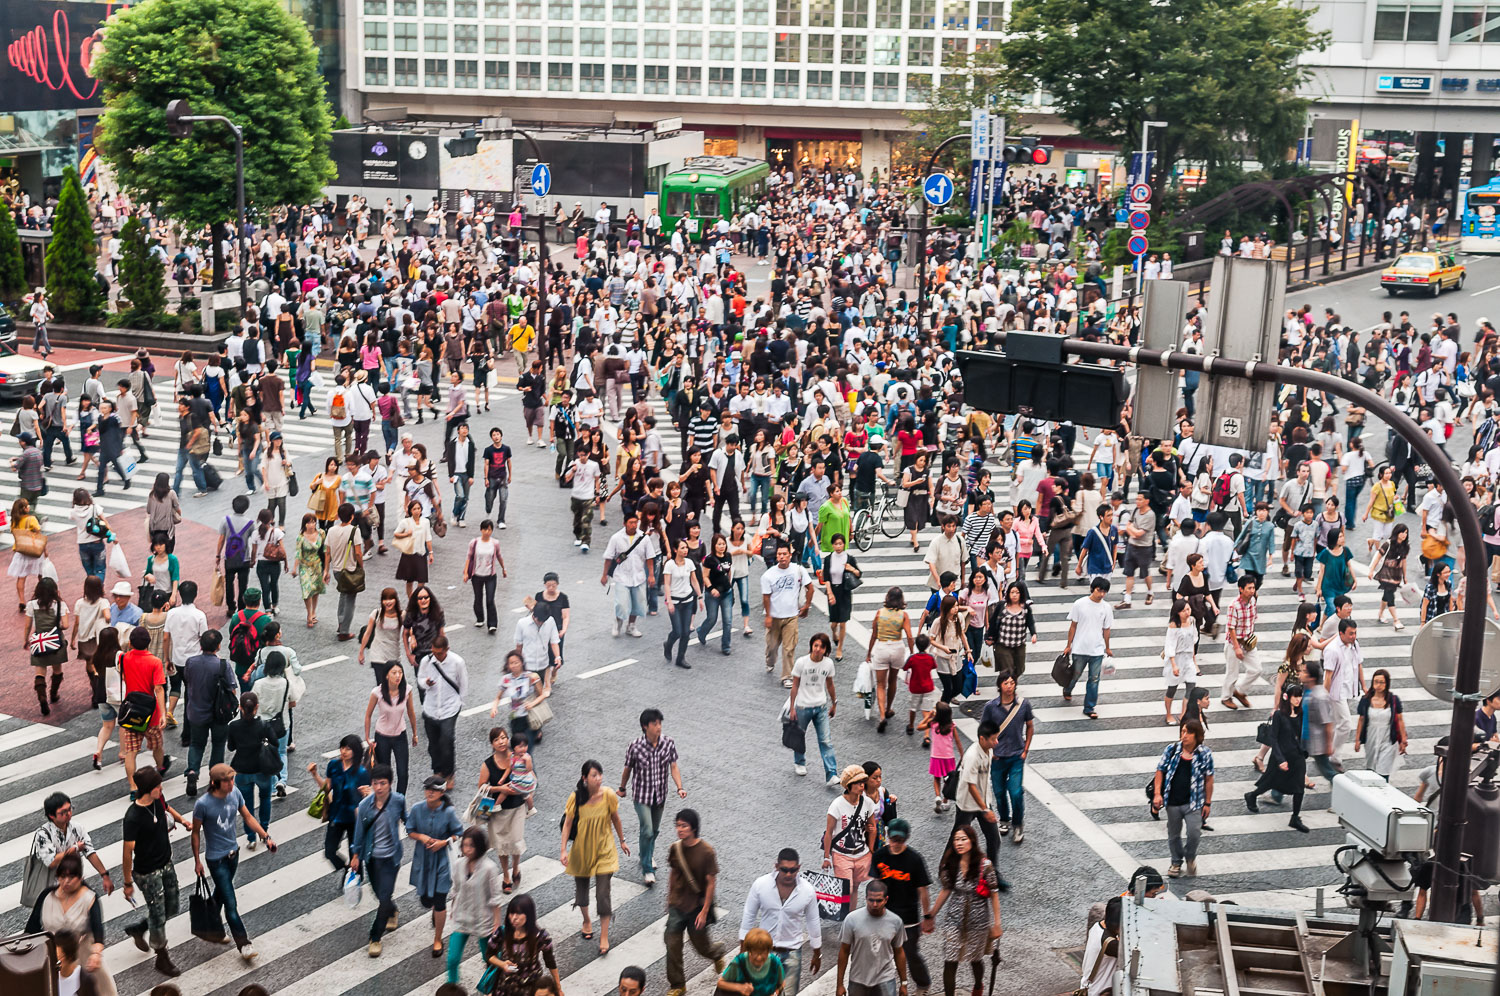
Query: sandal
point(506, 887)
point(587, 935)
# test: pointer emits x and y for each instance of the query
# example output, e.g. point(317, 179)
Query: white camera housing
point(1385, 820)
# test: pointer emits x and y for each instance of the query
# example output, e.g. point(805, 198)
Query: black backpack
point(226, 701)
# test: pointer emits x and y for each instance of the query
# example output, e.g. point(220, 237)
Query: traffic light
point(1027, 151)
point(1031, 378)
point(466, 144)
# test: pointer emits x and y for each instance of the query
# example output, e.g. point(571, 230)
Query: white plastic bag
point(986, 656)
point(315, 380)
point(118, 563)
point(1409, 593)
point(48, 568)
point(1107, 669)
point(353, 887)
point(864, 679)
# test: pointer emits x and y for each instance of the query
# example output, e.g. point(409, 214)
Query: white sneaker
point(616, 630)
point(649, 880)
point(578, 542)
point(584, 548)
point(248, 952)
point(500, 525)
point(833, 782)
point(634, 630)
point(800, 769)
point(479, 624)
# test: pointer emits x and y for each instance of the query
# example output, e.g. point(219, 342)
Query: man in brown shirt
point(270, 387)
point(693, 875)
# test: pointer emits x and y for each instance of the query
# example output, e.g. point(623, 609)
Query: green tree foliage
point(1222, 73)
point(982, 83)
point(73, 292)
point(12, 268)
point(248, 60)
point(141, 275)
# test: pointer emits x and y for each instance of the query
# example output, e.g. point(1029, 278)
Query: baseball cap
point(898, 829)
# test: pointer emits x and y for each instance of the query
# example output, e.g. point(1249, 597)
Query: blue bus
point(1481, 223)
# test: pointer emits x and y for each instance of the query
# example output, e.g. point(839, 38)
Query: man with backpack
point(248, 629)
point(341, 417)
point(212, 694)
point(232, 557)
point(1228, 493)
point(143, 705)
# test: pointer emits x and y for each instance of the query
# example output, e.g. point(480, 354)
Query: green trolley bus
point(708, 188)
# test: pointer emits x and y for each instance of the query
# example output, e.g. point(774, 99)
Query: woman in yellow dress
point(325, 492)
point(588, 846)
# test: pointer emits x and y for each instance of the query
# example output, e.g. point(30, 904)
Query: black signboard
point(49, 47)
point(386, 159)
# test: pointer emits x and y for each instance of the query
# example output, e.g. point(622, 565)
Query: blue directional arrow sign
point(541, 179)
point(938, 189)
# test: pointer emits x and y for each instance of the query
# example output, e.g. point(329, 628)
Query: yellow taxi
point(1423, 273)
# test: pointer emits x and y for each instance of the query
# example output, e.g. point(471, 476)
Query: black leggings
point(332, 834)
point(399, 746)
point(916, 966)
point(950, 975)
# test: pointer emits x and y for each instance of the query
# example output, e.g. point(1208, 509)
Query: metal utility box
point(1244, 323)
point(1163, 314)
point(1439, 959)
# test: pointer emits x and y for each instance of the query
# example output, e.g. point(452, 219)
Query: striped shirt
point(978, 529)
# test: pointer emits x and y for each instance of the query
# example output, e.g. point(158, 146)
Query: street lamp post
point(180, 121)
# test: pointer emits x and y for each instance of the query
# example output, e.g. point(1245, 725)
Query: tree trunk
point(220, 273)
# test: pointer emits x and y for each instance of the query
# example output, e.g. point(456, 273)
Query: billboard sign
point(49, 50)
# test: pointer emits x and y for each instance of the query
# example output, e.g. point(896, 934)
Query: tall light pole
point(180, 121)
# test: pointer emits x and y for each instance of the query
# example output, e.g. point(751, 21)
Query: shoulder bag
point(36, 878)
point(350, 580)
point(269, 754)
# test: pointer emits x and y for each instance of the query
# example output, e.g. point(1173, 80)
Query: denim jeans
point(186, 460)
point(760, 489)
point(199, 735)
point(1178, 819)
point(817, 718)
point(1352, 487)
point(648, 818)
point(1005, 779)
point(381, 874)
point(222, 870)
point(717, 606)
point(630, 600)
point(252, 468)
point(268, 573)
point(92, 557)
point(791, 964)
point(1094, 663)
point(460, 497)
point(390, 434)
point(681, 618)
point(496, 494)
point(249, 785)
point(741, 589)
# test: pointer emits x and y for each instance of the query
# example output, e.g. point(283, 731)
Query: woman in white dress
point(1382, 728)
point(1180, 659)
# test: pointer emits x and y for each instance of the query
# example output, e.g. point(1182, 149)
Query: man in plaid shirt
point(650, 758)
point(1241, 658)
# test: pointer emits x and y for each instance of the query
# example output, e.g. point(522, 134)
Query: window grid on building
point(822, 47)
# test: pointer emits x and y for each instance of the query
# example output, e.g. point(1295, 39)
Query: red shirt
point(143, 672)
point(921, 667)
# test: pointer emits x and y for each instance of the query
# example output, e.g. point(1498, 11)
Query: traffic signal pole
point(922, 236)
point(1448, 844)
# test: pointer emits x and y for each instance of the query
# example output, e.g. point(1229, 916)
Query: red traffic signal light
point(1041, 155)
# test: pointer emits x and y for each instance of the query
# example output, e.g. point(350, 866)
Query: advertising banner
point(49, 48)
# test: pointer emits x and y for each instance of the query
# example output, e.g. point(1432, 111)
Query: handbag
point(278, 725)
point(793, 737)
point(1432, 547)
point(318, 808)
point(29, 542)
point(852, 581)
point(36, 878)
point(950, 785)
point(292, 487)
point(1063, 671)
point(203, 913)
point(539, 715)
point(350, 580)
point(316, 499)
point(903, 497)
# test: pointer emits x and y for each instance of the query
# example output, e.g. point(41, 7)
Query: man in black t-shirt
point(497, 474)
point(146, 860)
point(533, 385)
point(868, 468)
point(906, 880)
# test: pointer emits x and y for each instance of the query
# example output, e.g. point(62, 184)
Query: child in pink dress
point(946, 749)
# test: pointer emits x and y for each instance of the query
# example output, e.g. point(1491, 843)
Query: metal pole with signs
point(996, 177)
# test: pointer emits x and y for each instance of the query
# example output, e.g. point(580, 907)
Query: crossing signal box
point(466, 144)
point(1026, 151)
point(1031, 378)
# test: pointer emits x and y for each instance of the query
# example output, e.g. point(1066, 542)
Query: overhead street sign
point(1140, 220)
point(541, 179)
point(1137, 245)
point(937, 189)
point(1140, 192)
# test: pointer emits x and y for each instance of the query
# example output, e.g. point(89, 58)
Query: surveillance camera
point(1380, 817)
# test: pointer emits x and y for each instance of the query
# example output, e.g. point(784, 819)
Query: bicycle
point(883, 514)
